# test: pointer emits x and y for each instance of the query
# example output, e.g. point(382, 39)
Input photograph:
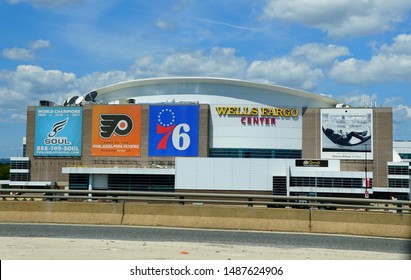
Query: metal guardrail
point(182, 198)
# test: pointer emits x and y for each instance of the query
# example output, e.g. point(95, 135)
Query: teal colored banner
point(58, 132)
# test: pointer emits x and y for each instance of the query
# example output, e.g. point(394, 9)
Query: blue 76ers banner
point(173, 130)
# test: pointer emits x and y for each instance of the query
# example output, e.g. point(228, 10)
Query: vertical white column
point(90, 185)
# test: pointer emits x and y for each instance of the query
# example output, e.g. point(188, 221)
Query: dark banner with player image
point(173, 130)
point(346, 133)
point(58, 132)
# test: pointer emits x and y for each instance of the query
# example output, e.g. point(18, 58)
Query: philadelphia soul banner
point(58, 132)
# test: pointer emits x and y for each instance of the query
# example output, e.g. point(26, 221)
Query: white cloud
point(320, 54)
point(391, 63)
point(220, 62)
point(30, 83)
point(357, 99)
point(39, 44)
point(100, 79)
point(225, 24)
point(181, 5)
point(46, 3)
point(401, 121)
point(164, 24)
point(401, 45)
point(402, 113)
point(25, 54)
point(17, 117)
point(223, 62)
point(18, 54)
point(285, 71)
point(10, 96)
point(340, 17)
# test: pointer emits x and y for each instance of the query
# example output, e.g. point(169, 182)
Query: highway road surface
point(84, 242)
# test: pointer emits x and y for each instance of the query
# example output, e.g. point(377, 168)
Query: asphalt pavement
point(41, 241)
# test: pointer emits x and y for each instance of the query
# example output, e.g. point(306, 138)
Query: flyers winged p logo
point(118, 124)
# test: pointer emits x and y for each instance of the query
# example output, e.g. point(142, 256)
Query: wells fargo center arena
point(202, 134)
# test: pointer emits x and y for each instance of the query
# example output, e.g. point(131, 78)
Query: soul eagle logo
point(55, 129)
point(118, 124)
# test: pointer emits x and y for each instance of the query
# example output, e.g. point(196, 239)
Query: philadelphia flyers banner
point(116, 130)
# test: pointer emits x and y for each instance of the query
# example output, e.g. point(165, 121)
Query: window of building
point(337, 182)
point(20, 164)
point(254, 153)
point(405, 155)
point(19, 177)
point(302, 182)
point(78, 181)
point(398, 170)
point(136, 182)
point(324, 182)
point(327, 182)
point(398, 183)
point(279, 185)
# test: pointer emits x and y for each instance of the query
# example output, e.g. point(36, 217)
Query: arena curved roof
point(202, 88)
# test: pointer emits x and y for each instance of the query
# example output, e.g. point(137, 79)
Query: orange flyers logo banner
point(116, 130)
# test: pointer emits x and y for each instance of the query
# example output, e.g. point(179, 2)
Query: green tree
point(4, 171)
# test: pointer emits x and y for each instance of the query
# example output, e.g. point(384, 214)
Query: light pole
point(366, 194)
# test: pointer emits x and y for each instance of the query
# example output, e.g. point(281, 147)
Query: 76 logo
point(166, 126)
point(179, 137)
point(175, 132)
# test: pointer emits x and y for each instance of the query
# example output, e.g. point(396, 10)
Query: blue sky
point(355, 51)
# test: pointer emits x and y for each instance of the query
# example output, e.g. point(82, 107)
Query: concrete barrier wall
point(361, 223)
point(220, 217)
point(61, 212)
point(211, 217)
